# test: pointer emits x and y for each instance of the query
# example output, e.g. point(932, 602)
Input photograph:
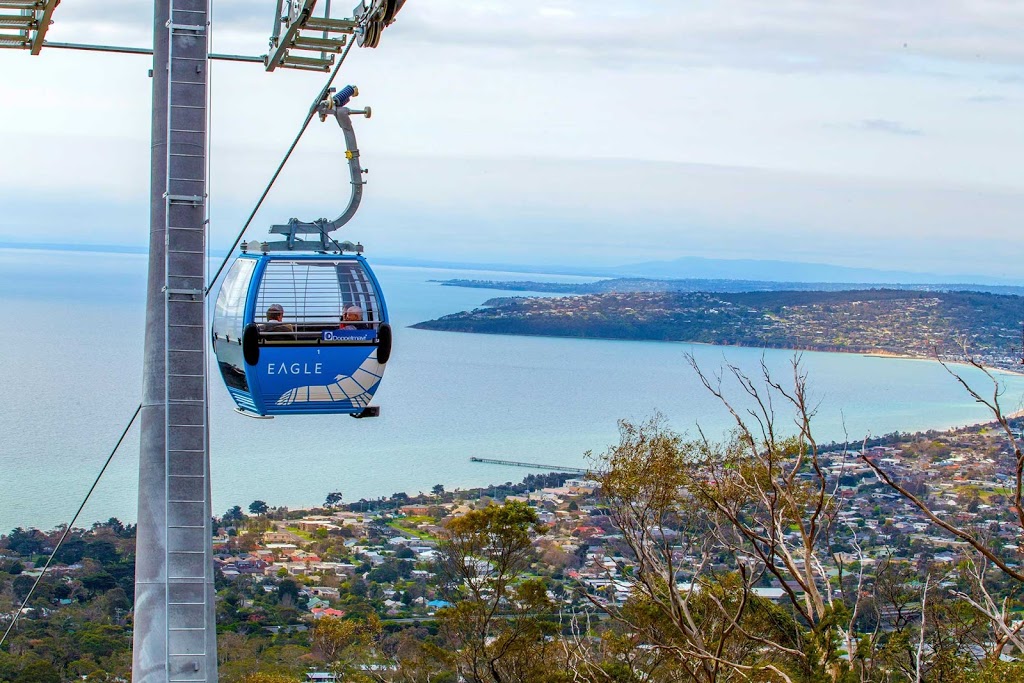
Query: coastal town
point(394, 548)
point(919, 324)
point(281, 573)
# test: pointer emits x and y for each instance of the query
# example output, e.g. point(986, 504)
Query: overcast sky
point(866, 133)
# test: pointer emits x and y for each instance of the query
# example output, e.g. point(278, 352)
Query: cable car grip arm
point(332, 105)
point(335, 105)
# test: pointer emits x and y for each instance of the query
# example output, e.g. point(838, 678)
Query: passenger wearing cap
point(275, 318)
point(351, 316)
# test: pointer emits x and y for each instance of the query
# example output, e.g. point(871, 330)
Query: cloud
point(565, 211)
point(785, 36)
point(887, 126)
point(503, 98)
point(134, 15)
point(782, 36)
point(987, 99)
point(556, 12)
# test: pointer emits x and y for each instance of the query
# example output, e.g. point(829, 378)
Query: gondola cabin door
point(301, 334)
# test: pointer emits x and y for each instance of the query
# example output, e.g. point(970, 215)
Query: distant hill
point(746, 270)
point(790, 271)
point(687, 267)
point(639, 284)
point(885, 321)
point(694, 267)
point(95, 248)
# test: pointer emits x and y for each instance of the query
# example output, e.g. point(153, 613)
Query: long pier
point(532, 465)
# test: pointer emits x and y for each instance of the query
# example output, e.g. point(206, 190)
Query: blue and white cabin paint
point(310, 360)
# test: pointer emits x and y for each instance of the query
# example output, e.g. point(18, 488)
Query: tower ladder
point(190, 646)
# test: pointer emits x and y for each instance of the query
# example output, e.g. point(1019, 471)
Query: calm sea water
point(71, 353)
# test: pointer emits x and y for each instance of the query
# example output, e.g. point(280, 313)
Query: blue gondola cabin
point(304, 334)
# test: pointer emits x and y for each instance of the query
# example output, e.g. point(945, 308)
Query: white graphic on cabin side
point(355, 388)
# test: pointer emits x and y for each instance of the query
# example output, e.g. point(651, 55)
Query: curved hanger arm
point(355, 171)
point(294, 229)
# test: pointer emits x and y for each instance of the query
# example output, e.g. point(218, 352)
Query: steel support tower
point(175, 630)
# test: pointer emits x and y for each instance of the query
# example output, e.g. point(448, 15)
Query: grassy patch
point(1001, 491)
point(399, 525)
point(420, 519)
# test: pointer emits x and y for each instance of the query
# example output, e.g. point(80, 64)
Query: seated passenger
point(275, 316)
point(351, 317)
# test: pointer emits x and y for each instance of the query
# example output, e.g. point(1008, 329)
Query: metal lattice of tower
point(175, 633)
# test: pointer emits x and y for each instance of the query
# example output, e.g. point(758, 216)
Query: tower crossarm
point(23, 23)
point(303, 40)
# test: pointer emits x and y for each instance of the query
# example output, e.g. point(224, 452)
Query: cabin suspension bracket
point(296, 232)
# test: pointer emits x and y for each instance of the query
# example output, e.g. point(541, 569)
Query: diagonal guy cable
point(67, 529)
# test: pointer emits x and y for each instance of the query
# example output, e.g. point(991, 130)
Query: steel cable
point(309, 117)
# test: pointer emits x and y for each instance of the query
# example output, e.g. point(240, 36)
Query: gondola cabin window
point(229, 323)
point(308, 302)
point(229, 314)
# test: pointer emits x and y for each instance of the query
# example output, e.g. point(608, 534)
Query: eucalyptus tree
point(496, 627)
